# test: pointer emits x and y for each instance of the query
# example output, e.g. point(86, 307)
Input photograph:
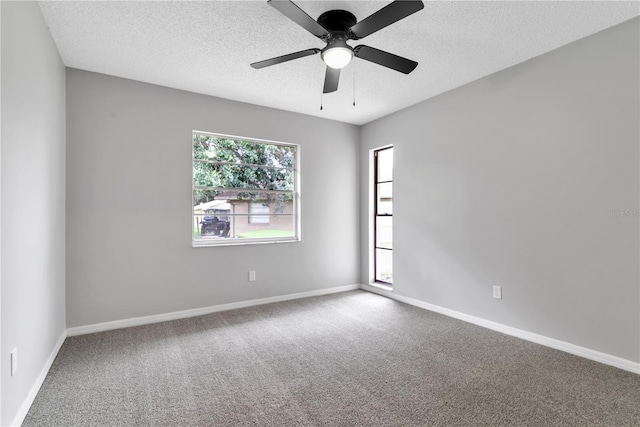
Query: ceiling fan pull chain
point(354, 83)
point(321, 101)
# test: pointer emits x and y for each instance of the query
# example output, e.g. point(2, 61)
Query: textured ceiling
point(206, 47)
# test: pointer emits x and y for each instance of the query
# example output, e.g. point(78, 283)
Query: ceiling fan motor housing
point(337, 40)
point(337, 21)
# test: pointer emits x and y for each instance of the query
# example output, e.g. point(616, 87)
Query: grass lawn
point(257, 234)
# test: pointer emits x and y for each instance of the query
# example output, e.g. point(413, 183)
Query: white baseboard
point(28, 401)
point(587, 353)
point(157, 318)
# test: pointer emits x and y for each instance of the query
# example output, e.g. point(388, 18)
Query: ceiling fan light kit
point(337, 54)
point(335, 28)
point(337, 57)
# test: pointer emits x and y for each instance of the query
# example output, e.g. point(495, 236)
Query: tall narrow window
point(383, 215)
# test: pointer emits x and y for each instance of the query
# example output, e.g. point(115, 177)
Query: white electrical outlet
point(14, 361)
point(252, 276)
point(497, 292)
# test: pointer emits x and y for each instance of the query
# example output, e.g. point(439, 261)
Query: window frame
point(198, 243)
point(375, 247)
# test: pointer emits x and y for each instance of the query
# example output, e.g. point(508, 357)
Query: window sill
point(219, 243)
point(382, 286)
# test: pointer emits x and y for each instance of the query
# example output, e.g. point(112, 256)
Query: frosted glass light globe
point(337, 57)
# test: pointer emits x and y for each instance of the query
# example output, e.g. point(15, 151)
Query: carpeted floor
point(349, 359)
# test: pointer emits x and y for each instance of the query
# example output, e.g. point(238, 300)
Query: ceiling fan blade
point(331, 79)
point(297, 15)
point(284, 58)
point(386, 16)
point(385, 59)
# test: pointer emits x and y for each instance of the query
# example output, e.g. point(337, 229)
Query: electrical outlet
point(252, 276)
point(497, 292)
point(14, 361)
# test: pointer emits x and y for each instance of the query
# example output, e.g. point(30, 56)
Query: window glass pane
point(385, 165)
point(384, 265)
point(209, 147)
point(229, 215)
point(384, 232)
point(385, 198)
point(239, 227)
point(239, 202)
point(241, 176)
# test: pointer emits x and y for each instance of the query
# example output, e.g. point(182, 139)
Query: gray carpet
point(350, 359)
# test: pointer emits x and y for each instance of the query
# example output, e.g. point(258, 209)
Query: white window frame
point(373, 212)
point(197, 243)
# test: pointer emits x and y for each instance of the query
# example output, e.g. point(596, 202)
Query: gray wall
point(511, 180)
point(33, 193)
point(129, 203)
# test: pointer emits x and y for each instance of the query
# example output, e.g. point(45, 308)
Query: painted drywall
point(1, 351)
point(33, 199)
point(528, 179)
point(129, 169)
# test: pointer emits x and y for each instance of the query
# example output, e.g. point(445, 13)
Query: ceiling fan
point(335, 28)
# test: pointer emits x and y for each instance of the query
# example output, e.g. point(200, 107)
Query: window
point(244, 191)
point(258, 211)
point(383, 215)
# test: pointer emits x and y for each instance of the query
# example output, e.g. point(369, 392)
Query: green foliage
point(230, 163)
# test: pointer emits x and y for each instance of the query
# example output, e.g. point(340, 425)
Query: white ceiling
point(206, 47)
